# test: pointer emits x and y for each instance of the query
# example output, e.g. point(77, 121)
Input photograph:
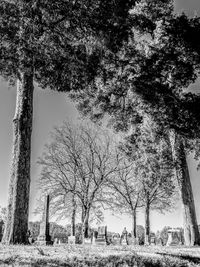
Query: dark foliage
point(64, 39)
point(151, 72)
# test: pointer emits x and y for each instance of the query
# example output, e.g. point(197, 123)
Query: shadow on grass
point(189, 258)
point(99, 261)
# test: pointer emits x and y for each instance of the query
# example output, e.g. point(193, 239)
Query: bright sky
point(50, 109)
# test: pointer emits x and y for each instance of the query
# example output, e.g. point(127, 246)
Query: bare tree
point(126, 191)
point(78, 162)
point(157, 178)
point(154, 169)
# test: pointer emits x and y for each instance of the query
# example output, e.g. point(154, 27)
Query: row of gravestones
point(103, 238)
point(100, 237)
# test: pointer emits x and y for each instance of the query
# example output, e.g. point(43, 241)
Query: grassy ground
point(64, 255)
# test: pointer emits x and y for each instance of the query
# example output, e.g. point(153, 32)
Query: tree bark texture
point(134, 223)
point(82, 215)
point(147, 223)
point(191, 232)
point(18, 203)
point(73, 222)
point(85, 226)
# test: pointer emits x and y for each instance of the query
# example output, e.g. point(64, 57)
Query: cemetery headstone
point(88, 241)
point(94, 235)
point(44, 237)
point(102, 235)
point(55, 242)
point(71, 240)
point(132, 240)
point(159, 241)
point(174, 237)
point(93, 240)
point(136, 241)
point(124, 237)
point(116, 239)
point(152, 240)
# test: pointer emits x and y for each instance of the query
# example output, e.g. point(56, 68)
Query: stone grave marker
point(88, 241)
point(124, 241)
point(44, 237)
point(94, 237)
point(174, 237)
point(132, 240)
point(152, 240)
point(71, 240)
point(55, 242)
point(159, 241)
point(116, 239)
point(124, 237)
point(102, 235)
point(93, 240)
point(136, 241)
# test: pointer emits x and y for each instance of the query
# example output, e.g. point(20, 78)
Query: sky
point(51, 109)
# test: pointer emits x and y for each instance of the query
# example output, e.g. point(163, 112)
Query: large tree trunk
point(134, 224)
point(191, 232)
point(147, 223)
point(82, 215)
point(85, 226)
point(18, 203)
point(73, 222)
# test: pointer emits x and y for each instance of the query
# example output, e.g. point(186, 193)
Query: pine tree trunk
point(134, 224)
point(147, 223)
point(18, 203)
point(191, 232)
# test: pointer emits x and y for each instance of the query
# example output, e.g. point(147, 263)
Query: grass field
point(79, 256)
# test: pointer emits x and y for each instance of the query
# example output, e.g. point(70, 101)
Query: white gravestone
point(174, 237)
point(71, 240)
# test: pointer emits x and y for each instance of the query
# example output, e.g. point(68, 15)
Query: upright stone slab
point(124, 237)
point(102, 236)
point(152, 240)
point(116, 239)
point(71, 240)
point(94, 237)
point(44, 237)
point(174, 237)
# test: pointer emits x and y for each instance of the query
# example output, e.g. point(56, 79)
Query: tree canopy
point(65, 38)
point(152, 74)
point(151, 71)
